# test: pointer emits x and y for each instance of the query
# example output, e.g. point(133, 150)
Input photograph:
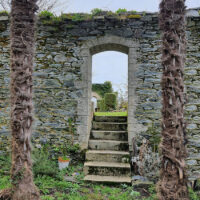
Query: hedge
point(101, 89)
point(110, 101)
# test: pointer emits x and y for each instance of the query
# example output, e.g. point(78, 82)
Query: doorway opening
point(88, 50)
point(110, 83)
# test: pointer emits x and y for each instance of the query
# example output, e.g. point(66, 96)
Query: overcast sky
point(112, 66)
point(138, 5)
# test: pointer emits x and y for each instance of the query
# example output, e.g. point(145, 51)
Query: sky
point(112, 66)
point(138, 5)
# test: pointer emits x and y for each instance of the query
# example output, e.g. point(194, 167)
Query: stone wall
point(58, 86)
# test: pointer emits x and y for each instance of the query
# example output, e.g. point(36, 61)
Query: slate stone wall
point(58, 74)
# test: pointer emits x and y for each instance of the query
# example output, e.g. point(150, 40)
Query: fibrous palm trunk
point(173, 179)
point(22, 53)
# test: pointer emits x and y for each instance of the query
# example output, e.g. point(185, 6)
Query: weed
point(155, 137)
point(110, 13)
point(121, 10)
point(4, 13)
point(5, 182)
point(56, 20)
point(45, 183)
point(193, 195)
point(144, 13)
point(77, 17)
point(133, 11)
point(42, 165)
point(47, 197)
point(96, 11)
point(5, 165)
point(152, 192)
point(46, 14)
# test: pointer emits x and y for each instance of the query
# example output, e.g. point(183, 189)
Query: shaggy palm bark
point(173, 179)
point(22, 53)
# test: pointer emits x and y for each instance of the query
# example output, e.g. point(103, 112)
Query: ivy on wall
point(101, 89)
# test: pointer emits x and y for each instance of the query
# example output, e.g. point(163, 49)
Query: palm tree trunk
point(173, 178)
point(22, 53)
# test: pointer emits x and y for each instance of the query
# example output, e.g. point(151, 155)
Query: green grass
point(54, 187)
point(117, 114)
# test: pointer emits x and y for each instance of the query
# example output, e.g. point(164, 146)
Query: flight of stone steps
point(107, 157)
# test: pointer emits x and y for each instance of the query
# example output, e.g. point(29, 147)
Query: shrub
point(4, 13)
point(110, 101)
point(133, 11)
point(96, 11)
point(77, 17)
point(121, 10)
point(101, 89)
point(46, 14)
point(102, 106)
point(43, 165)
point(98, 105)
point(193, 195)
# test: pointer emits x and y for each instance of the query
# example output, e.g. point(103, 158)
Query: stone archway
point(89, 48)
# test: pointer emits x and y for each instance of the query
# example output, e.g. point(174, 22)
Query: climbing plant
point(101, 89)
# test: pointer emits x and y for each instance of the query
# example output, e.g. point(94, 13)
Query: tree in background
point(101, 89)
point(173, 179)
point(123, 97)
point(22, 52)
point(42, 4)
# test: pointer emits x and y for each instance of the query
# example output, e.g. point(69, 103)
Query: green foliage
point(5, 165)
point(133, 11)
point(57, 20)
point(68, 148)
point(46, 14)
point(4, 13)
point(96, 11)
point(193, 195)
point(110, 13)
point(152, 192)
point(101, 89)
point(56, 188)
point(110, 101)
point(101, 105)
point(77, 17)
point(154, 140)
point(121, 10)
point(144, 13)
point(48, 184)
point(43, 165)
point(5, 182)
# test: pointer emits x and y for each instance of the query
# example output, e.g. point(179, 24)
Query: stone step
point(107, 156)
point(110, 119)
point(109, 135)
point(109, 126)
point(107, 179)
point(107, 169)
point(108, 145)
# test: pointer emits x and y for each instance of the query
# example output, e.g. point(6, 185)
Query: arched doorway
point(107, 43)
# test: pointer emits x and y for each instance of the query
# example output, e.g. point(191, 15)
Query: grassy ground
point(121, 114)
point(52, 185)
